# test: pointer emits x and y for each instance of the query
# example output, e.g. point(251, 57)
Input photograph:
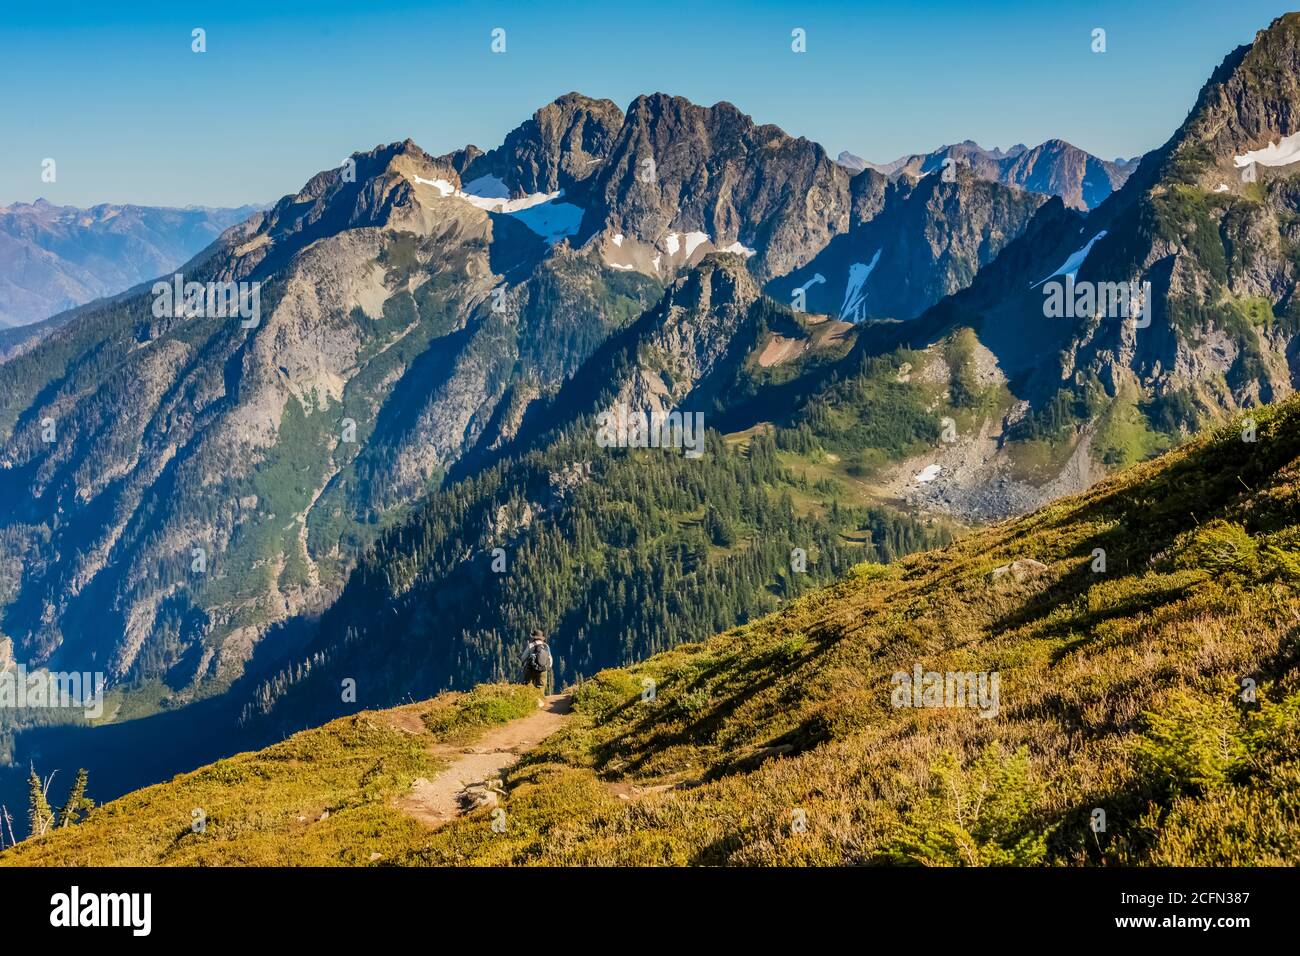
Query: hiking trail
point(438, 800)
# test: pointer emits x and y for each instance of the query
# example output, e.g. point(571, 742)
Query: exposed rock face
point(1019, 570)
point(563, 145)
point(378, 359)
point(1212, 243)
point(689, 333)
point(682, 168)
point(1058, 169)
point(867, 192)
point(923, 241)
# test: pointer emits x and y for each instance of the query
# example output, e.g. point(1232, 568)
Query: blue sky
point(114, 94)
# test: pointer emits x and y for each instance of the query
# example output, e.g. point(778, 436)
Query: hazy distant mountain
point(1054, 168)
point(53, 258)
point(852, 163)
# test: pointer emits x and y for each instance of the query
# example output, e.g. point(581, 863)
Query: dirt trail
point(434, 802)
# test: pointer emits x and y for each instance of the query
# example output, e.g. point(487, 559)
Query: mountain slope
point(53, 258)
point(683, 180)
point(1122, 688)
point(1211, 254)
point(927, 239)
point(174, 434)
point(416, 312)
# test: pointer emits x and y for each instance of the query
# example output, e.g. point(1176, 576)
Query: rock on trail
point(434, 802)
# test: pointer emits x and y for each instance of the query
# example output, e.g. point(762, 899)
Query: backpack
point(539, 658)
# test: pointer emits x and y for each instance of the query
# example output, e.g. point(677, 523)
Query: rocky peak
point(561, 146)
point(720, 281)
point(1253, 99)
point(679, 167)
point(376, 188)
point(1061, 169)
point(912, 241)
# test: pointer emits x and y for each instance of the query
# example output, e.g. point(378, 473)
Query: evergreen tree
point(78, 803)
point(40, 817)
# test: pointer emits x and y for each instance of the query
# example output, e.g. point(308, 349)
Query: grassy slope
point(319, 797)
point(1119, 691)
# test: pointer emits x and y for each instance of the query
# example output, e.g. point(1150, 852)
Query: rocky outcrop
point(681, 168)
point(689, 333)
point(562, 146)
point(912, 243)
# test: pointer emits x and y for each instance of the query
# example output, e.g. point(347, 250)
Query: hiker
point(537, 661)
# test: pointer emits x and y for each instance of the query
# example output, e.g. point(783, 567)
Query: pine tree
point(39, 817)
point(78, 803)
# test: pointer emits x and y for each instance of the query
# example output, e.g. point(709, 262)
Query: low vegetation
point(1148, 713)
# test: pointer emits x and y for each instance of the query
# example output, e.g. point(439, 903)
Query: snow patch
point(1221, 188)
point(445, 188)
point(510, 206)
point(928, 474)
point(1070, 267)
point(551, 220)
point(1282, 153)
point(854, 290)
point(739, 249)
point(540, 212)
point(488, 187)
point(671, 243)
point(618, 239)
point(693, 241)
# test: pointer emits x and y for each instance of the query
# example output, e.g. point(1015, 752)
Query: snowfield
point(854, 289)
point(1282, 153)
point(1070, 268)
point(540, 212)
point(694, 240)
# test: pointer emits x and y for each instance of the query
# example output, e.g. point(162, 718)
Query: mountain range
point(394, 471)
point(1053, 168)
point(53, 258)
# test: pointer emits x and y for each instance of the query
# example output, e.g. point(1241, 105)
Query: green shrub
point(978, 816)
point(485, 704)
point(1220, 546)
